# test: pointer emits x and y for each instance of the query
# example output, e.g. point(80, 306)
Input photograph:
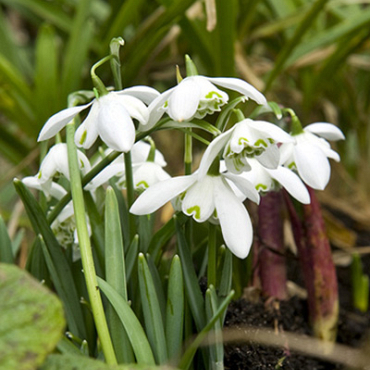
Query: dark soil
point(292, 316)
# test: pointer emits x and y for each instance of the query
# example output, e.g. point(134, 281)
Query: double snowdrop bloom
point(197, 96)
point(309, 154)
point(110, 117)
point(265, 180)
point(145, 173)
point(245, 140)
point(204, 198)
point(55, 162)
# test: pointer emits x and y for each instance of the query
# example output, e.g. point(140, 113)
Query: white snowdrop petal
point(235, 222)
point(312, 164)
point(326, 130)
point(271, 131)
point(115, 127)
point(244, 185)
point(87, 133)
point(135, 107)
point(145, 93)
point(184, 100)
point(198, 200)
point(212, 151)
point(270, 158)
point(161, 193)
point(114, 169)
point(292, 183)
point(241, 87)
point(56, 122)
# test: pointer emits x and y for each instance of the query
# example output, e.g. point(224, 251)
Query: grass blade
point(6, 250)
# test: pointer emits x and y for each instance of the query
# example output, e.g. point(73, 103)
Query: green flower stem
point(85, 249)
point(212, 255)
point(98, 83)
point(296, 126)
point(188, 156)
point(239, 115)
point(130, 193)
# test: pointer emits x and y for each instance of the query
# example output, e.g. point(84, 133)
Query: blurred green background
point(312, 56)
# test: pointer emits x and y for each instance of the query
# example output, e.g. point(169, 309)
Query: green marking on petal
point(165, 105)
point(82, 164)
point(260, 142)
point(272, 141)
point(39, 175)
point(83, 137)
point(261, 186)
point(292, 165)
point(195, 211)
point(242, 140)
point(212, 93)
point(142, 183)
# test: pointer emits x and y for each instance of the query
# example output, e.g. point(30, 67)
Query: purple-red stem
point(317, 265)
point(271, 260)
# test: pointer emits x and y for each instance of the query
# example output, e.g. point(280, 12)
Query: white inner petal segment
point(198, 200)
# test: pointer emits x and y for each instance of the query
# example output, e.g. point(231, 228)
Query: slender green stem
point(85, 249)
point(212, 255)
point(188, 156)
point(130, 193)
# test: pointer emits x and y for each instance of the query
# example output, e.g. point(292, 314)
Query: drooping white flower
point(309, 154)
point(110, 117)
point(247, 139)
point(265, 180)
point(56, 161)
point(197, 96)
point(205, 198)
point(144, 173)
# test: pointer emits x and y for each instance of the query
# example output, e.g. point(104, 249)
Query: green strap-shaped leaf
point(116, 275)
point(188, 356)
point(134, 330)
point(152, 312)
point(216, 349)
point(31, 319)
point(193, 293)
point(6, 250)
point(66, 290)
point(175, 309)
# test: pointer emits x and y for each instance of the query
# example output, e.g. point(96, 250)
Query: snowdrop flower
point(56, 161)
point(110, 117)
point(145, 173)
point(204, 198)
point(197, 96)
point(247, 139)
point(265, 180)
point(309, 154)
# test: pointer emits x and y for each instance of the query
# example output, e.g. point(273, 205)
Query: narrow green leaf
point(131, 256)
point(97, 230)
point(193, 293)
point(224, 116)
point(66, 289)
point(134, 330)
point(116, 275)
point(65, 346)
point(122, 19)
point(226, 273)
point(203, 125)
point(286, 51)
point(47, 11)
point(152, 312)
point(188, 356)
point(330, 35)
point(6, 250)
point(216, 349)
point(81, 35)
point(175, 309)
point(46, 80)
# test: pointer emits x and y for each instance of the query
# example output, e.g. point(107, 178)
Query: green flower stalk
point(317, 267)
point(85, 249)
